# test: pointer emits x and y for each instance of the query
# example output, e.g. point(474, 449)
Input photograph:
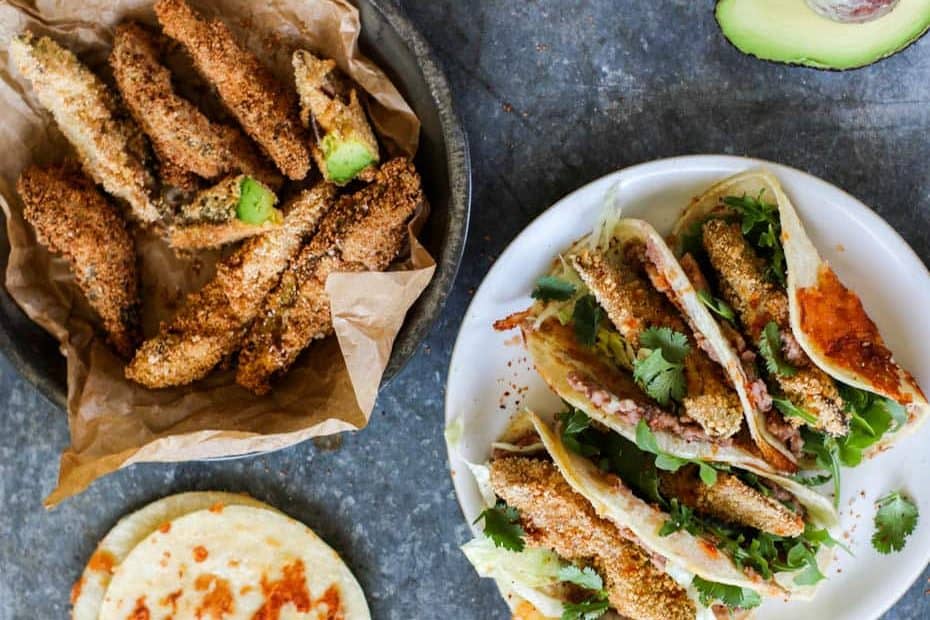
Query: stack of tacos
point(711, 383)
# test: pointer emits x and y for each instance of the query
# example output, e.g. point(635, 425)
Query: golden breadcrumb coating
point(73, 218)
point(328, 99)
point(364, 232)
point(109, 145)
point(265, 109)
point(554, 516)
point(634, 305)
point(214, 319)
point(184, 139)
point(732, 501)
point(757, 301)
point(210, 235)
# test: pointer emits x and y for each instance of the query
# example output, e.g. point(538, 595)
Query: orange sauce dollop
point(834, 320)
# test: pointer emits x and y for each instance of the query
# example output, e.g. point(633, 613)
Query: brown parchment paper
point(115, 423)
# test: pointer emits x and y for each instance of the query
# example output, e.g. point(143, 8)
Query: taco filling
point(579, 520)
point(733, 253)
point(760, 526)
point(556, 557)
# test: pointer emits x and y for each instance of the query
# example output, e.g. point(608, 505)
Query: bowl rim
point(458, 164)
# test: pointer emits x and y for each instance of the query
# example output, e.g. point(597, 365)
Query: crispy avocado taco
point(581, 522)
point(823, 383)
point(619, 332)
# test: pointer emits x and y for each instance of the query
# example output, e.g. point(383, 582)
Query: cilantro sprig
point(585, 577)
point(894, 522)
point(613, 453)
point(762, 228)
point(661, 373)
point(770, 349)
point(680, 517)
point(592, 607)
point(553, 288)
point(586, 318)
point(588, 609)
point(733, 597)
point(717, 305)
point(638, 465)
point(871, 416)
point(646, 441)
point(826, 456)
point(502, 526)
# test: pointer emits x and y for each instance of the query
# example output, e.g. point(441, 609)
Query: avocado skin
point(891, 51)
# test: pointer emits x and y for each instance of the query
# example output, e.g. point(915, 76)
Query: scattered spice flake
point(507, 107)
point(200, 553)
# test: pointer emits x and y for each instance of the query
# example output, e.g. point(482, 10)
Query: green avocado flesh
point(790, 31)
point(345, 159)
point(256, 203)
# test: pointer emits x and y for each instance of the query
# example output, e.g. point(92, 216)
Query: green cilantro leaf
point(689, 242)
point(502, 526)
point(589, 609)
point(662, 380)
point(585, 577)
point(574, 424)
point(870, 416)
point(662, 373)
point(717, 305)
point(586, 318)
point(822, 537)
point(680, 517)
point(646, 441)
point(733, 597)
point(826, 453)
point(791, 410)
point(800, 555)
point(551, 287)
point(762, 228)
point(674, 345)
point(894, 522)
point(812, 481)
point(770, 349)
point(618, 454)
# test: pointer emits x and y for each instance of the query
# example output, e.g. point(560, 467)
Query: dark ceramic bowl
point(390, 40)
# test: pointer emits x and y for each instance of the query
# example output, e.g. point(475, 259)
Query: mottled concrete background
point(552, 98)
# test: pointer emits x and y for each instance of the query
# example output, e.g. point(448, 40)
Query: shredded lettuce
point(528, 573)
point(609, 217)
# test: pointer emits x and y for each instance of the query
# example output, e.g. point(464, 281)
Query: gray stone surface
point(553, 94)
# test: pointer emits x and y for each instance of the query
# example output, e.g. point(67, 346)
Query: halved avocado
point(790, 31)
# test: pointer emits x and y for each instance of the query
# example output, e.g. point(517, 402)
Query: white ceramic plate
point(490, 377)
